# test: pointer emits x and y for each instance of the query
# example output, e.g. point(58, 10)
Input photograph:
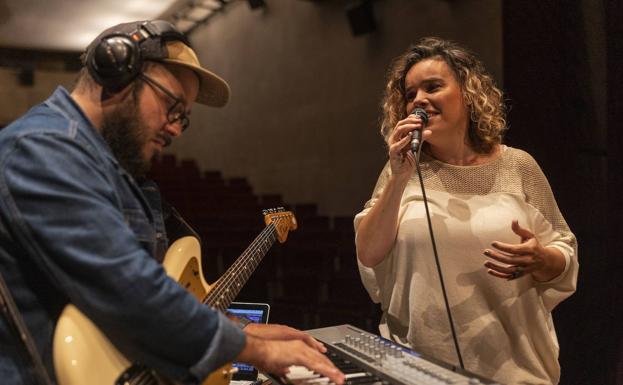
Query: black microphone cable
point(417, 151)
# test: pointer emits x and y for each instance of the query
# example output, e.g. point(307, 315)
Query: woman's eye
point(433, 87)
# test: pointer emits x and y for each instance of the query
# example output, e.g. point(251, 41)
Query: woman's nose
point(420, 99)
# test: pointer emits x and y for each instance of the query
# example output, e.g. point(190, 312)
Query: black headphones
point(115, 59)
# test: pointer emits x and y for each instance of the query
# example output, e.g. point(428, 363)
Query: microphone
point(417, 134)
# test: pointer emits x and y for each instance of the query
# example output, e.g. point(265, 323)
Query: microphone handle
point(415, 141)
point(416, 138)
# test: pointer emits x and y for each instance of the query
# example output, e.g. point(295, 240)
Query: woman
point(506, 253)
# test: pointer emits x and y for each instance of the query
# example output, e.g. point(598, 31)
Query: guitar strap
point(176, 225)
point(166, 218)
point(16, 322)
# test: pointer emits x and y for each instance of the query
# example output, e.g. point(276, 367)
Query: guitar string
point(234, 271)
point(221, 297)
point(250, 263)
point(234, 277)
point(144, 377)
point(244, 263)
point(147, 377)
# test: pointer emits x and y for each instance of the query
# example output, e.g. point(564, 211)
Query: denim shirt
point(76, 227)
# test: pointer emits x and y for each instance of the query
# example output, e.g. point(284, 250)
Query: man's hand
point(276, 356)
point(283, 332)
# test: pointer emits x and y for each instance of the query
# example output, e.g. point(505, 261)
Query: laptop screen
point(254, 312)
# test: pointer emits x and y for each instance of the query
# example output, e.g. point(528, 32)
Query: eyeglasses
point(177, 112)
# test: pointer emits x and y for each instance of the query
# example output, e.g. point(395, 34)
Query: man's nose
point(173, 129)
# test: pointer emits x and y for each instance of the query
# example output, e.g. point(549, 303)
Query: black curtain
point(552, 56)
point(614, 33)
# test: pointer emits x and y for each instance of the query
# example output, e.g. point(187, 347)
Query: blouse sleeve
point(552, 231)
point(371, 277)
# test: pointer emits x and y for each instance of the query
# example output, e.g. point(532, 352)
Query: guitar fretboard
point(231, 282)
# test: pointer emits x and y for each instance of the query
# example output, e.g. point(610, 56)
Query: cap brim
point(213, 90)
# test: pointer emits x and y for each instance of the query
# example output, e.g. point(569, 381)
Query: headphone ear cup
point(114, 62)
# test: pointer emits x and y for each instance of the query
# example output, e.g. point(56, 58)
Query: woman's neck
point(461, 154)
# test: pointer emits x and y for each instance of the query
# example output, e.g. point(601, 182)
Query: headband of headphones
point(115, 58)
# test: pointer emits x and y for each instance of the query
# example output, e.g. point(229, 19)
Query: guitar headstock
point(284, 221)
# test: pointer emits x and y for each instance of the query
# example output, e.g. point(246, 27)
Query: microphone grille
point(422, 114)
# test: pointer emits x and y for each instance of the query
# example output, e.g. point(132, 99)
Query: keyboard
point(368, 359)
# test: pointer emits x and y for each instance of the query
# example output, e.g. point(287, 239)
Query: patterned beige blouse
point(505, 328)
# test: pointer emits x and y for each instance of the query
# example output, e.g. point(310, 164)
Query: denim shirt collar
point(62, 102)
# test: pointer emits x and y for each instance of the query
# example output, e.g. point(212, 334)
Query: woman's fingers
point(509, 272)
point(525, 234)
point(405, 127)
point(398, 146)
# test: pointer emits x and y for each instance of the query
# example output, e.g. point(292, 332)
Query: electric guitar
point(84, 356)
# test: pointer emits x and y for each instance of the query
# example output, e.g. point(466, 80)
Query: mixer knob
point(378, 359)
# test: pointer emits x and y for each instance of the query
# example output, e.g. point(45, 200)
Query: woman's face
point(431, 85)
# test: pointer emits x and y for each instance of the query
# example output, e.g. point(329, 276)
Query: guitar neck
point(231, 282)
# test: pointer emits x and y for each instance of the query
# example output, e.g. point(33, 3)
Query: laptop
point(255, 312)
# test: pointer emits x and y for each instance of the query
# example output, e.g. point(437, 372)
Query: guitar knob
point(228, 373)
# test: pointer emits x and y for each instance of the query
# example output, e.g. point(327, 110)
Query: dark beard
point(125, 134)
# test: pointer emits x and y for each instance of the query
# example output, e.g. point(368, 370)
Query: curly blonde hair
point(484, 99)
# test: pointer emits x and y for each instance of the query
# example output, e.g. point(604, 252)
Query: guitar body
point(75, 360)
point(83, 354)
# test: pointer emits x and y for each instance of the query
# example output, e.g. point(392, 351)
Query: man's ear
point(107, 96)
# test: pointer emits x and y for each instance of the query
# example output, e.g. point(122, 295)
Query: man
point(78, 225)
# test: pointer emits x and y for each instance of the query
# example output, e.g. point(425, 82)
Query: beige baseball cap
point(160, 41)
point(213, 90)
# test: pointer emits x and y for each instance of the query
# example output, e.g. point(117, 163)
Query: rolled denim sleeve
point(66, 212)
point(229, 340)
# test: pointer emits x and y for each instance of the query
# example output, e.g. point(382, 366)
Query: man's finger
point(314, 343)
point(326, 368)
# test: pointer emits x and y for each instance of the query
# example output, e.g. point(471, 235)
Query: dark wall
point(557, 77)
point(614, 29)
point(303, 116)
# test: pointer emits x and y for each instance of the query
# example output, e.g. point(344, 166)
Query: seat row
point(310, 281)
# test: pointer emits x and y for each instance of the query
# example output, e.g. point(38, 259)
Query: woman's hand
point(401, 158)
point(527, 257)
